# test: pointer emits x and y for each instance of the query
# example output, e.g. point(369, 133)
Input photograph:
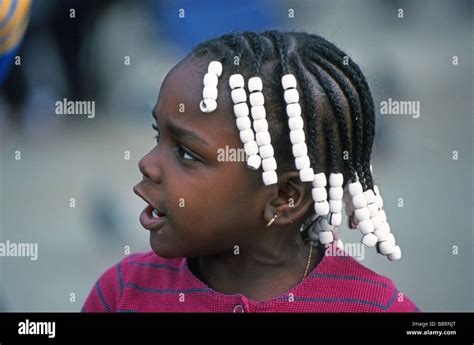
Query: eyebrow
point(181, 132)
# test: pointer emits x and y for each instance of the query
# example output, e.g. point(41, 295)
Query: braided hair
point(337, 105)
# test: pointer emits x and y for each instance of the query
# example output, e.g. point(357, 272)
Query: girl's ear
point(290, 199)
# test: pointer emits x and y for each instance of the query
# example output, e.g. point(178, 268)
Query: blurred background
point(79, 50)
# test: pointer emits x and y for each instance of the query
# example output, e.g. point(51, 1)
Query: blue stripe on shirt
point(119, 274)
point(141, 288)
point(346, 300)
point(102, 299)
point(148, 264)
point(323, 275)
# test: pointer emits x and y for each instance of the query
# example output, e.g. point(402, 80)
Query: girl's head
point(213, 205)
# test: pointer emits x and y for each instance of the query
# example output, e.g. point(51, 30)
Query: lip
point(138, 191)
point(150, 223)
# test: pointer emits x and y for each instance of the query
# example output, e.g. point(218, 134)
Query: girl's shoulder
point(135, 271)
point(371, 289)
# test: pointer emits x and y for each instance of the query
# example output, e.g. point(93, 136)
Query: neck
point(261, 271)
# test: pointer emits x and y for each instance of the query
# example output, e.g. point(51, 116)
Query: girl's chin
point(163, 248)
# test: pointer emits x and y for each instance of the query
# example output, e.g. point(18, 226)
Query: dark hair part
point(338, 111)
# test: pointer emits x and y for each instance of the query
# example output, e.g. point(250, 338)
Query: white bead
point(376, 190)
point(361, 214)
point(236, 81)
point(370, 240)
point(293, 109)
point(243, 123)
point(246, 135)
point(336, 193)
point(382, 234)
point(319, 180)
point(336, 180)
point(260, 125)
point(299, 150)
point(255, 84)
point(396, 254)
point(263, 137)
point(335, 206)
point(256, 99)
point(241, 109)
point(359, 201)
point(210, 79)
point(209, 92)
point(377, 220)
point(391, 238)
point(208, 105)
point(379, 201)
point(288, 81)
point(324, 224)
point(295, 123)
point(258, 112)
point(321, 208)
point(354, 188)
point(370, 196)
point(291, 96)
point(297, 136)
point(383, 215)
point(326, 237)
point(306, 175)
point(335, 218)
point(388, 246)
point(269, 164)
point(366, 226)
point(319, 194)
point(373, 210)
point(251, 148)
point(215, 67)
point(386, 226)
point(254, 161)
point(302, 162)
point(238, 95)
point(266, 151)
point(269, 177)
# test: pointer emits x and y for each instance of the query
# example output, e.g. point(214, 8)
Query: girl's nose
point(150, 167)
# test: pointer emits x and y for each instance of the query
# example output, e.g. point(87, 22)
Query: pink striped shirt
point(145, 282)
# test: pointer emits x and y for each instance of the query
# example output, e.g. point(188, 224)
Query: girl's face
point(210, 205)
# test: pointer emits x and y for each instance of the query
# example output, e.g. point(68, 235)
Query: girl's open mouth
point(152, 219)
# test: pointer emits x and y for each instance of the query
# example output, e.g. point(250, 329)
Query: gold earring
point(271, 221)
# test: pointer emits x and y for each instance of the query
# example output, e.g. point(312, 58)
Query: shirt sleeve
point(401, 303)
point(105, 294)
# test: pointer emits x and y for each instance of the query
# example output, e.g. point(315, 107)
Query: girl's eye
point(184, 152)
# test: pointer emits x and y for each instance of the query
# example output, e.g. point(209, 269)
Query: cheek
point(208, 210)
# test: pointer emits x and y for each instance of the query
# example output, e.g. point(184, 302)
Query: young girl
point(259, 233)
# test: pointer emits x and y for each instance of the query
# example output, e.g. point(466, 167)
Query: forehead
point(179, 98)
